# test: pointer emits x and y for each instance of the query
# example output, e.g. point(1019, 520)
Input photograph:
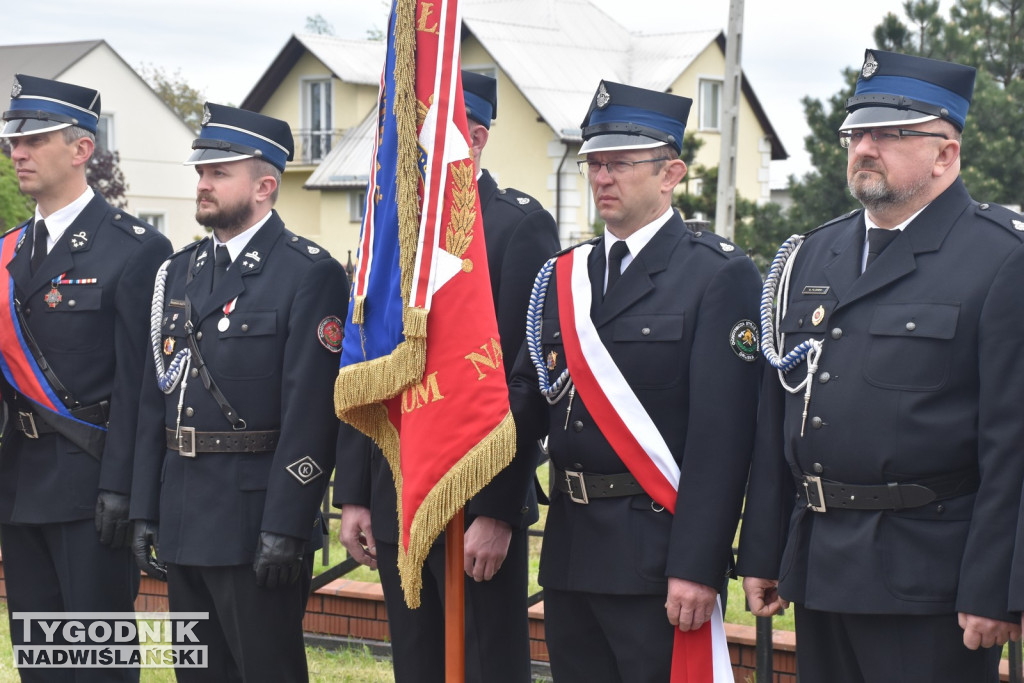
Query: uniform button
point(72, 303)
point(645, 331)
point(697, 234)
point(117, 216)
point(824, 377)
point(983, 207)
point(940, 509)
point(171, 326)
point(577, 426)
point(189, 412)
point(523, 510)
point(837, 332)
point(801, 322)
point(199, 335)
point(193, 372)
point(911, 326)
point(245, 327)
point(557, 334)
point(816, 422)
point(818, 469)
point(294, 238)
point(28, 311)
point(578, 466)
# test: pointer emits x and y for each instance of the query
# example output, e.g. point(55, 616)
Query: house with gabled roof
point(548, 58)
point(151, 140)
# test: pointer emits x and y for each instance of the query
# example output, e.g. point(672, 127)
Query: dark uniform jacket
point(96, 341)
point(667, 324)
point(520, 236)
point(920, 376)
point(276, 371)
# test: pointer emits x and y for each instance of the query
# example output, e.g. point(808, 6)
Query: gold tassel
point(463, 481)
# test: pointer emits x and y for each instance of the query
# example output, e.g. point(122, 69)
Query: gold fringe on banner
point(449, 495)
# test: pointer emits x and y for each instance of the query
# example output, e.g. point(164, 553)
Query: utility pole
point(725, 211)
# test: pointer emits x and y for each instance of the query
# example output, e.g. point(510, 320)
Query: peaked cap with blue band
point(231, 134)
point(895, 89)
point(627, 117)
point(39, 105)
point(481, 95)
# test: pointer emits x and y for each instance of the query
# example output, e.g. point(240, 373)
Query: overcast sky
point(791, 49)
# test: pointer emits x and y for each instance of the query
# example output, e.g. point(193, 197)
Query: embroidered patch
point(743, 340)
point(330, 332)
point(305, 470)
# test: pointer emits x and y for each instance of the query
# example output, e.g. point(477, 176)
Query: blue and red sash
point(19, 366)
point(700, 656)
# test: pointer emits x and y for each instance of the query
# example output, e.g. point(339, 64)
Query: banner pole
point(455, 601)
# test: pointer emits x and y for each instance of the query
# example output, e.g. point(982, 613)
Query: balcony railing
point(314, 145)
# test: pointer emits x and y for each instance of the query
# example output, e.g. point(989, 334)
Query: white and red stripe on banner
point(700, 656)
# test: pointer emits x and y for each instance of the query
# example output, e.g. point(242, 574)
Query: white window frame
point(323, 135)
point(108, 120)
point(356, 205)
point(717, 88)
point(156, 218)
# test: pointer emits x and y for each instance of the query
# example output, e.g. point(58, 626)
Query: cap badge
point(603, 98)
point(16, 88)
point(206, 115)
point(870, 66)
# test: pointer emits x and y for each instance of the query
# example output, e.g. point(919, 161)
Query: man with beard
point(899, 440)
point(237, 429)
point(76, 284)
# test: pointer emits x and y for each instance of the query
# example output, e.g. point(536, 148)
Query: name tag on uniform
point(815, 290)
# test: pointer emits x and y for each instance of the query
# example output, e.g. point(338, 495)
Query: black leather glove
point(145, 541)
point(112, 519)
point(278, 559)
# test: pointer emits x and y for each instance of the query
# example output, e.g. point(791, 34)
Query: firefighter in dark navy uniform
point(237, 429)
point(79, 276)
point(520, 235)
point(888, 462)
point(645, 376)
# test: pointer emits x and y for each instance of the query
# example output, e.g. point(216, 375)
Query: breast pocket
point(806, 319)
point(82, 325)
point(911, 346)
point(248, 348)
point(654, 339)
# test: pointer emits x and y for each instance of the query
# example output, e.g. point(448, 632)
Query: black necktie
point(878, 240)
point(221, 261)
point(39, 235)
point(615, 256)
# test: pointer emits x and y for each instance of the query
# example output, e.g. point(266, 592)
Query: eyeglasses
point(616, 169)
point(884, 136)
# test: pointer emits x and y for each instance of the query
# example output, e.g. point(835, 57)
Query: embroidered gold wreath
point(459, 233)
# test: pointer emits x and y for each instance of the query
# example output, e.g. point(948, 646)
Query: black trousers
point(497, 630)
point(594, 638)
point(64, 568)
point(885, 648)
point(253, 634)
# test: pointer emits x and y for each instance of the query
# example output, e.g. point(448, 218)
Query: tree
point(14, 206)
point(183, 99)
point(318, 25)
point(104, 176)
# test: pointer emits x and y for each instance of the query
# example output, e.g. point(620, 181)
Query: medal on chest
point(224, 323)
point(54, 297)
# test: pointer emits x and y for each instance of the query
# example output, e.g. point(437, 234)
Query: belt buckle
point(187, 442)
point(27, 422)
point(582, 498)
point(816, 481)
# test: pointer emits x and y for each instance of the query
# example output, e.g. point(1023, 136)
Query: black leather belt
point(25, 418)
point(191, 442)
point(822, 494)
point(582, 486)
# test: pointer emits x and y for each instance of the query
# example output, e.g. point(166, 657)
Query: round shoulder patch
point(330, 332)
point(743, 339)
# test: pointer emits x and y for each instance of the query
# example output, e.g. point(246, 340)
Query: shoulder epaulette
point(716, 243)
point(189, 247)
point(135, 227)
point(308, 248)
point(593, 240)
point(520, 200)
point(837, 219)
point(14, 229)
point(1002, 216)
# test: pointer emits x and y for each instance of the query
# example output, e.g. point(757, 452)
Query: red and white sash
point(700, 656)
